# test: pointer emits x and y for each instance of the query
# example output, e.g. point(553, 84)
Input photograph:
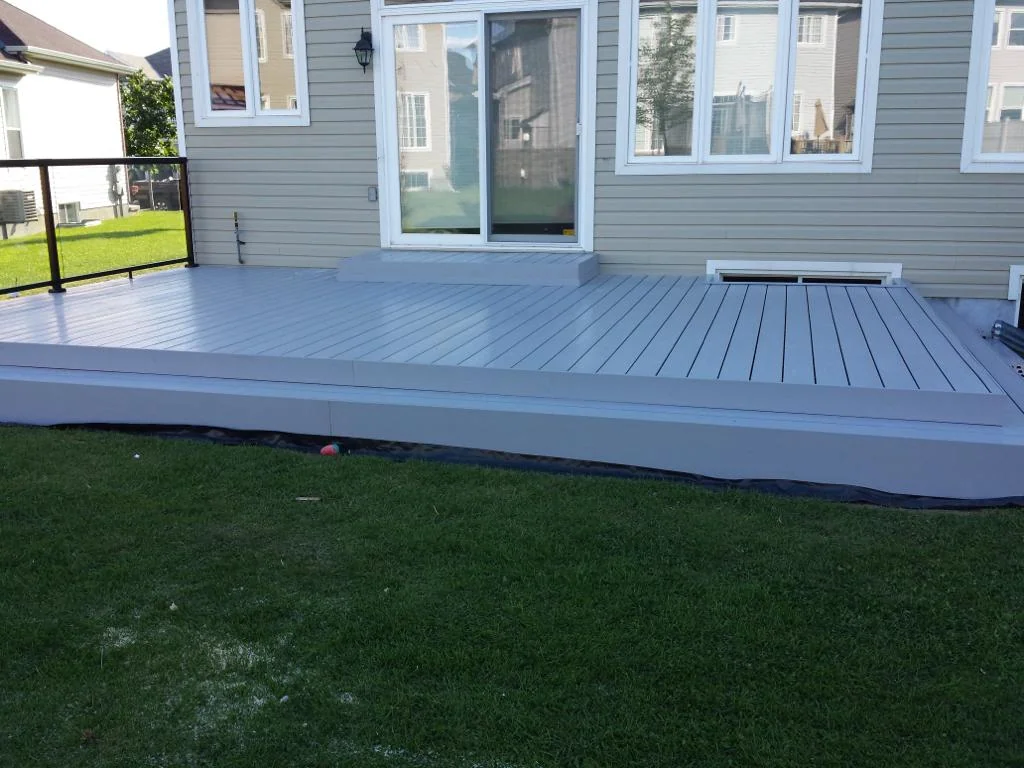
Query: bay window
point(994, 128)
point(248, 62)
point(747, 86)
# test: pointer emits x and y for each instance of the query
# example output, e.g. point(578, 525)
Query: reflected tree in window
point(665, 80)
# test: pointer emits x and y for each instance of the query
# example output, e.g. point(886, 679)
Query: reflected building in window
point(826, 45)
point(1004, 106)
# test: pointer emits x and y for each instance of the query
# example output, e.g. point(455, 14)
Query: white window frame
point(261, 35)
point(288, 41)
point(402, 96)
point(1008, 14)
point(6, 126)
point(812, 20)
point(997, 20)
point(972, 158)
point(720, 28)
point(404, 45)
point(254, 114)
point(430, 179)
point(779, 160)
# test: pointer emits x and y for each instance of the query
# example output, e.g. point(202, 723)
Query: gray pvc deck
point(852, 385)
point(875, 351)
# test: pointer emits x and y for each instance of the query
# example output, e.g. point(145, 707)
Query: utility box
point(13, 208)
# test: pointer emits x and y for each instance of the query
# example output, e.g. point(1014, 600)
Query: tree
point(664, 83)
point(148, 114)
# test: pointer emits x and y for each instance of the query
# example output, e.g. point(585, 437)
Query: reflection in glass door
point(533, 111)
point(484, 112)
point(437, 112)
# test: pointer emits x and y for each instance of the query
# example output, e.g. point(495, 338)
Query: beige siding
point(301, 192)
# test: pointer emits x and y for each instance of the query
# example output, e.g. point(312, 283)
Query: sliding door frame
point(385, 103)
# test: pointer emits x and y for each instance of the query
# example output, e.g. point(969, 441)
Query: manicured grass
point(157, 610)
point(137, 239)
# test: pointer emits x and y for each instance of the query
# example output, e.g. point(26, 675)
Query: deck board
point(738, 363)
point(798, 357)
point(771, 339)
point(665, 340)
point(829, 366)
point(709, 359)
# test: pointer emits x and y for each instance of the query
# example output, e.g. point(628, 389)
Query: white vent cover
point(799, 270)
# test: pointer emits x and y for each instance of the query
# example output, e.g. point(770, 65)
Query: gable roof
point(156, 66)
point(22, 35)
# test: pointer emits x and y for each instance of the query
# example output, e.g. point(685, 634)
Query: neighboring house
point(59, 99)
point(849, 131)
point(156, 66)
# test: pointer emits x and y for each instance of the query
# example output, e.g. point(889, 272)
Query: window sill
point(261, 121)
point(991, 166)
point(732, 168)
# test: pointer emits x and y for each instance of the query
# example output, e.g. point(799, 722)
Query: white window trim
point(811, 17)
point(203, 115)
point(998, 21)
point(384, 90)
point(1007, 27)
point(890, 272)
point(284, 34)
point(779, 161)
point(406, 48)
point(261, 34)
point(426, 172)
point(426, 119)
point(735, 23)
point(972, 159)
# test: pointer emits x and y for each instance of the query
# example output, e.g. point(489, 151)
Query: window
point(412, 121)
point(725, 29)
point(798, 95)
point(995, 29)
point(261, 35)
point(415, 181)
point(1015, 31)
point(248, 80)
point(409, 37)
point(994, 130)
point(12, 123)
point(809, 29)
point(511, 129)
point(287, 35)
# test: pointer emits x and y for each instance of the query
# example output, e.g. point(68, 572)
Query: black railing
point(138, 190)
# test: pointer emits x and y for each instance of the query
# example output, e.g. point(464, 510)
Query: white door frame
point(384, 106)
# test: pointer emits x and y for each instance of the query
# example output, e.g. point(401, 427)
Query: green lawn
point(157, 609)
point(137, 239)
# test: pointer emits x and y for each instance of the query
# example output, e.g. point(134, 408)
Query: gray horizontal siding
point(301, 192)
point(956, 234)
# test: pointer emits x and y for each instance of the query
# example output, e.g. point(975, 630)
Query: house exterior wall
point(301, 193)
point(68, 112)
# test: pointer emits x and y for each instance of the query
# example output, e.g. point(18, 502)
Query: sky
point(129, 26)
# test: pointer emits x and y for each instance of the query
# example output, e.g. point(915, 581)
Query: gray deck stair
point(470, 267)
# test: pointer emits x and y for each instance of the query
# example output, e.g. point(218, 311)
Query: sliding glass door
point(483, 123)
point(533, 83)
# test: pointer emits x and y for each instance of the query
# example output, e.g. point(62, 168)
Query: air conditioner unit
point(70, 214)
point(13, 208)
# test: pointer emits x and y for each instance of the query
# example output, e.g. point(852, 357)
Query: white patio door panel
point(445, 140)
point(436, 176)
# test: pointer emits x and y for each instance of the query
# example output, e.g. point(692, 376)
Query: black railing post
point(56, 283)
point(186, 210)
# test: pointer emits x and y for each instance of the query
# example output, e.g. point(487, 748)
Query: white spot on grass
point(346, 698)
point(118, 637)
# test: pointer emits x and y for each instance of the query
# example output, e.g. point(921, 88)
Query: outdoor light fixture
point(364, 49)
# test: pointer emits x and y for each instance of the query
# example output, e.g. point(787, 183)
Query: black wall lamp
point(364, 49)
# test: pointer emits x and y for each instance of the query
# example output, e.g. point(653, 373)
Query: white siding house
point(60, 99)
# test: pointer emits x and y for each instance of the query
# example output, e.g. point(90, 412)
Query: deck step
point(470, 267)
